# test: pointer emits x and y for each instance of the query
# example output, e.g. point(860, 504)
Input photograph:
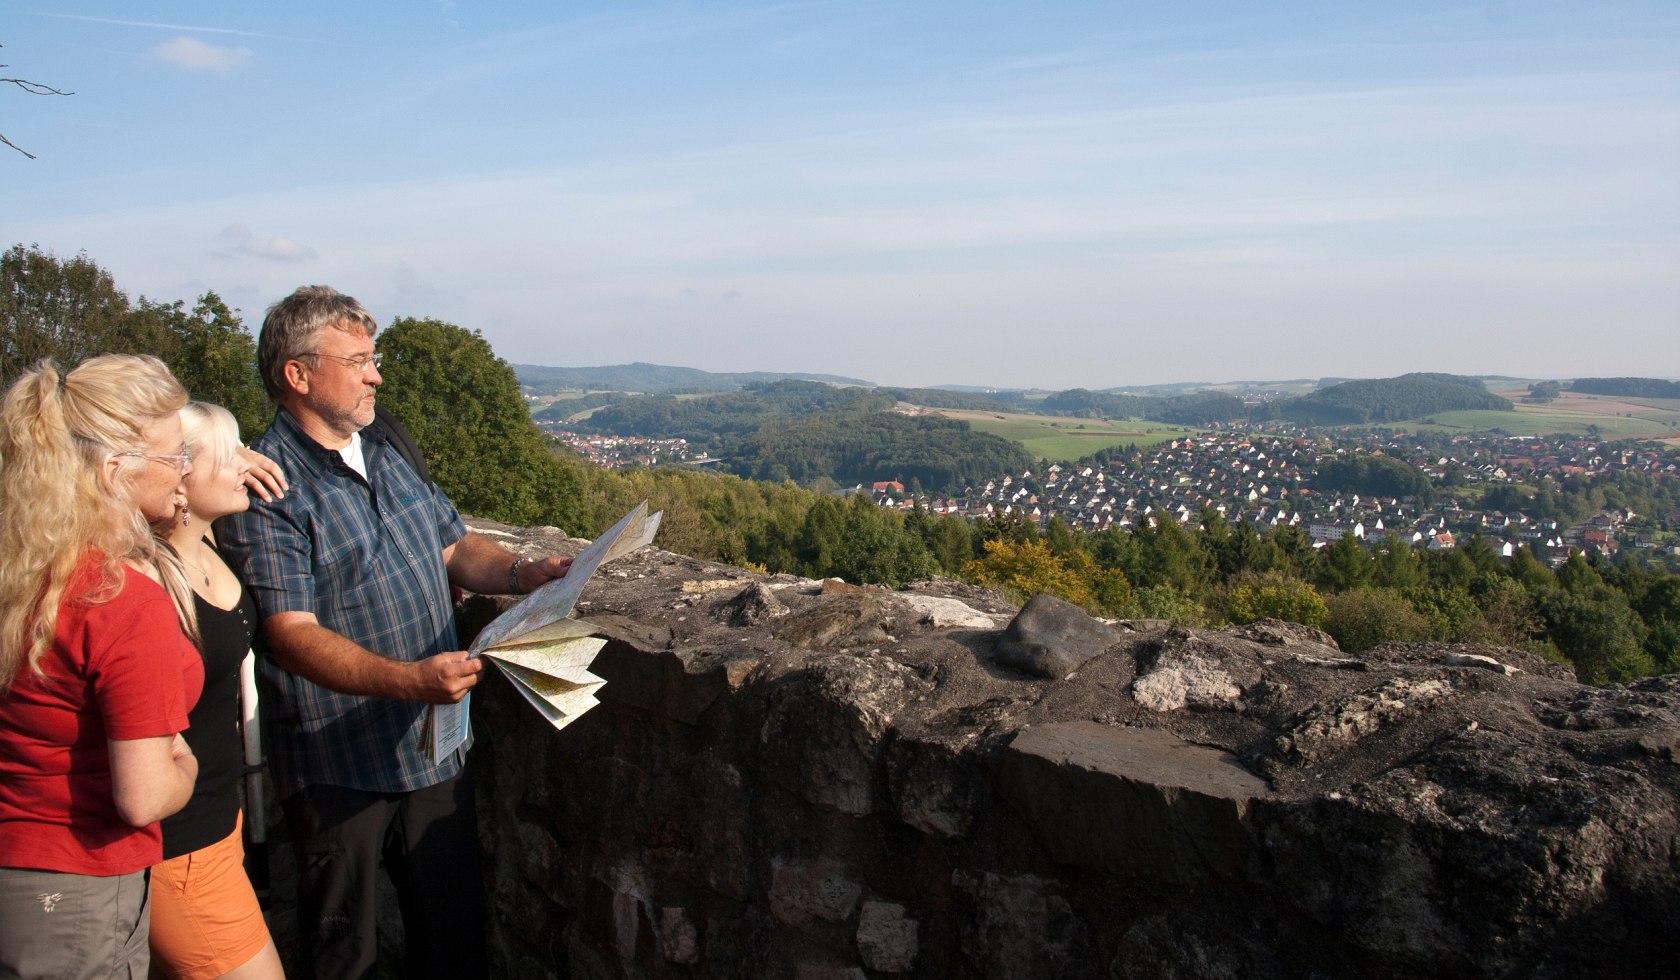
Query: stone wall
point(791, 780)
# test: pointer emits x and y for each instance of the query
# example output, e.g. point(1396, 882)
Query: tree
point(1342, 566)
point(463, 405)
point(1168, 555)
point(1029, 568)
point(1599, 635)
point(874, 548)
point(71, 310)
point(1397, 565)
point(209, 352)
point(66, 309)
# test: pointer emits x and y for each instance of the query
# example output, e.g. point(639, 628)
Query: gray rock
point(886, 938)
point(753, 605)
point(679, 942)
point(804, 890)
point(1134, 801)
point(1052, 638)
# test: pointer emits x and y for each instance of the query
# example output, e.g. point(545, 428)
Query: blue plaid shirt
point(366, 557)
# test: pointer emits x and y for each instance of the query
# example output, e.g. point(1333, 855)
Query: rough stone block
point(886, 938)
point(806, 890)
point(657, 682)
point(1132, 801)
point(679, 941)
point(1052, 637)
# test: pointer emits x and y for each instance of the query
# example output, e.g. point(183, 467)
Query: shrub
point(1363, 618)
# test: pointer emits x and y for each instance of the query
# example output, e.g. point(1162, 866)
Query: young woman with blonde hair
point(206, 922)
point(96, 672)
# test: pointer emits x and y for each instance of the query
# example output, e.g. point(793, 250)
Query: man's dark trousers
point(428, 839)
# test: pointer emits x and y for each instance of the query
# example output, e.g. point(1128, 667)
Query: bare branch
point(33, 88)
point(16, 147)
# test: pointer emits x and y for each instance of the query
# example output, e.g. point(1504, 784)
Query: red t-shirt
point(119, 670)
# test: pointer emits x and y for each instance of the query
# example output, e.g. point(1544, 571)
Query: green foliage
point(1598, 633)
point(807, 432)
point(1364, 618)
point(1396, 565)
point(862, 449)
point(209, 351)
point(1371, 476)
point(1168, 555)
point(67, 309)
point(1274, 595)
point(1199, 408)
point(1028, 568)
point(1453, 617)
point(1342, 565)
point(1167, 602)
point(464, 407)
point(70, 310)
point(859, 542)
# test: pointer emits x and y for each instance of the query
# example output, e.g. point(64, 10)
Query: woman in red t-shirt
point(96, 672)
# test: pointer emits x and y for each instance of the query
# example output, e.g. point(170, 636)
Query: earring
point(186, 518)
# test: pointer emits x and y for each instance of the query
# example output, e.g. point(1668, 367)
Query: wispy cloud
point(195, 55)
point(273, 249)
point(195, 28)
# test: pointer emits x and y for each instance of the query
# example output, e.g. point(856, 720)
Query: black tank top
point(213, 731)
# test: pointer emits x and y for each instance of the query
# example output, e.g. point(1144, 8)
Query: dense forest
point(1199, 408)
point(1372, 476)
point(923, 453)
point(1408, 396)
point(1612, 621)
point(816, 433)
point(1627, 387)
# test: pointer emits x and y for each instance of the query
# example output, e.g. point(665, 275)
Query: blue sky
point(989, 193)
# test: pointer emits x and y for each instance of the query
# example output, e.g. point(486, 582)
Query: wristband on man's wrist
point(513, 573)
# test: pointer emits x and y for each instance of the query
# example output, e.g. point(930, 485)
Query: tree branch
point(16, 147)
point(33, 88)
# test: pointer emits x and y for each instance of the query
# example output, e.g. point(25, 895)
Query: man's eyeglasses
point(358, 364)
point(182, 461)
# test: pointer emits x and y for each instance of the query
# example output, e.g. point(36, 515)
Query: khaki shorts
point(205, 916)
point(54, 924)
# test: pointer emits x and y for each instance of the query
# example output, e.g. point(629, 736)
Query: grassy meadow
point(1615, 417)
point(1060, 439)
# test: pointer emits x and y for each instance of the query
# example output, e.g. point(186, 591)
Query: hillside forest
point(1612, 621)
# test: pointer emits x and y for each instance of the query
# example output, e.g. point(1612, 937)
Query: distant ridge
point(656, 378)
point(1409, 396)
point(1628, 387)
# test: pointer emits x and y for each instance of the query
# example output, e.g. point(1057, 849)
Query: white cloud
point(195, 55)
point(275, 249)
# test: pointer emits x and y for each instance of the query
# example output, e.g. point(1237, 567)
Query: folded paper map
point(541, 647)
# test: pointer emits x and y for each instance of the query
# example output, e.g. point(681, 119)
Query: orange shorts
point(205, 917)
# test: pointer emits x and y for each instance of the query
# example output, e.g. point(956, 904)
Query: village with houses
point(1268, 481)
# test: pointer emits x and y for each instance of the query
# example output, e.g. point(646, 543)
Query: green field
point(1064, 440)
point(1650, 419)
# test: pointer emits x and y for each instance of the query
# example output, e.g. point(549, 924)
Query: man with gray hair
point(351, 570)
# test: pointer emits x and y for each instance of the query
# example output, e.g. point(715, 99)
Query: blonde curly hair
point(60, 502)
